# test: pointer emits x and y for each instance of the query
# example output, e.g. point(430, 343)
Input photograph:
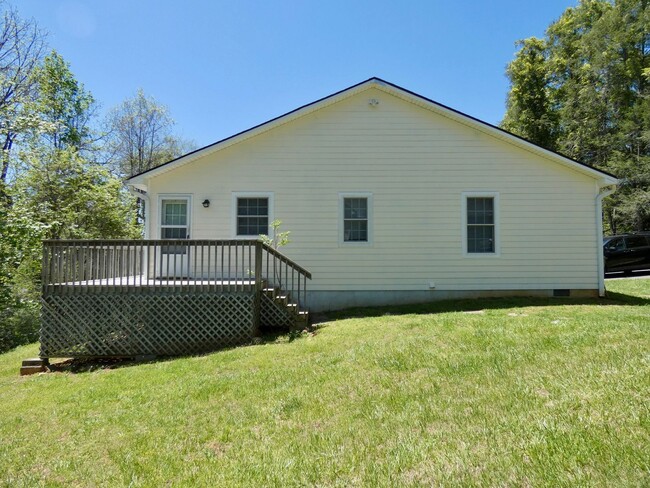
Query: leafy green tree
point(58, 191)
point(59, 182)
point(140, 136)
point(21, 46)
point(530, 113)
point(75, 198)
point(586, 85)
point(64, 105)
point(20, 253)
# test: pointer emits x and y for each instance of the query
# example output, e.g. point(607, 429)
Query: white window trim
point(233, 211)
point(342, 197)
point(175, 196)
point(497, 231)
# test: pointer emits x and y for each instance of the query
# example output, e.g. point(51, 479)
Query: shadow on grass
point(476, 304)
point(89, 365)
point(614, 298)
point(270, 335)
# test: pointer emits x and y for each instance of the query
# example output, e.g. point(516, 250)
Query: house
point(390, 198)
point(393, 198)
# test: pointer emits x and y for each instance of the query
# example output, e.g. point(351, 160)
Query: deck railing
point(169, 266)
point(282, 273)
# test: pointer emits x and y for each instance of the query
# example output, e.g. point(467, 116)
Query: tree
point(58, 190)
point(21, 47)
point(63, 105)
point(20, 248)
point(140, 136)
point(60, 183)
point(585, 90)
point(530, 112)
point(74, 198)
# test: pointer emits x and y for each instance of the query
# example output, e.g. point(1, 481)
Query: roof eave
point(253, 131)
point(137, 182)
point(608, 181)
point(498, 132)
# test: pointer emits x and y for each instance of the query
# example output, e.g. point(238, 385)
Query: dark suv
point(627, 253)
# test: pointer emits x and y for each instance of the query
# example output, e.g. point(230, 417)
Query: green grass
point(519, 392)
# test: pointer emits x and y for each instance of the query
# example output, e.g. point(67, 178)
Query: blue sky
point(222, 67)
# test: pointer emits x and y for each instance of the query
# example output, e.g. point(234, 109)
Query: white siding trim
point(175, 196)
point(233, 211)
point(497, 239)
point(342, 197)
point(599, 237)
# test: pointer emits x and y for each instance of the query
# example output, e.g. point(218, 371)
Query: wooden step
point(282, 299)
point(303, 318)
point(34, 366)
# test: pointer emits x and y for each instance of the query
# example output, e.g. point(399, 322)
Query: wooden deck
point(107, 298)
point(143, 281)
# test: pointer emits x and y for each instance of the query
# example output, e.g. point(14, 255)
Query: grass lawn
point(516, 392)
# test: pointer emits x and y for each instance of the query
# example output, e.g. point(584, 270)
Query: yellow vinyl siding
point(416, 164)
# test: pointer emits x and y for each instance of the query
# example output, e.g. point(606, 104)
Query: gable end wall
point(416, 164)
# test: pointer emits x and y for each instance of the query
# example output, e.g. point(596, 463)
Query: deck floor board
point(136, 281)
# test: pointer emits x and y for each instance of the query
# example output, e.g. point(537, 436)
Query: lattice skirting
point(274, 314)
point(132, 325)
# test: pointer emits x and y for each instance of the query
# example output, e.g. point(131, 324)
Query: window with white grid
point(355, 218)
point(252, 214)
point(480, 223)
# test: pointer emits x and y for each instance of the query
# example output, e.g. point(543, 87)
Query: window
point(615, 245)
point(252, 213)
point(635, 242)
point(480, 226)
point(174, 222)
point(356, 210)
point(355, 220)
point(252, 216)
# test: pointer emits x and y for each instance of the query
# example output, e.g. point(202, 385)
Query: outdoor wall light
point(206, 203)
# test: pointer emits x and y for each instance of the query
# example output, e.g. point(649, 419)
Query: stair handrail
point(286, 281)
point(286, 259)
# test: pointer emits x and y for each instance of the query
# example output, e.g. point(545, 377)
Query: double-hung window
point(252, 214)
point(356, 210)
point(480, 226)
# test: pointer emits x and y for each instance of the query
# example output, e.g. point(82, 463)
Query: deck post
point(257, 304)
point(46, 275)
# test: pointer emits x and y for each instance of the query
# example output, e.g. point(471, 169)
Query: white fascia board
point(139, 181)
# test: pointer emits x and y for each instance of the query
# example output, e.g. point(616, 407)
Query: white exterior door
point(173, 260)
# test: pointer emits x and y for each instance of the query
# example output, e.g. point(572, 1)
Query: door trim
point(175, 196)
